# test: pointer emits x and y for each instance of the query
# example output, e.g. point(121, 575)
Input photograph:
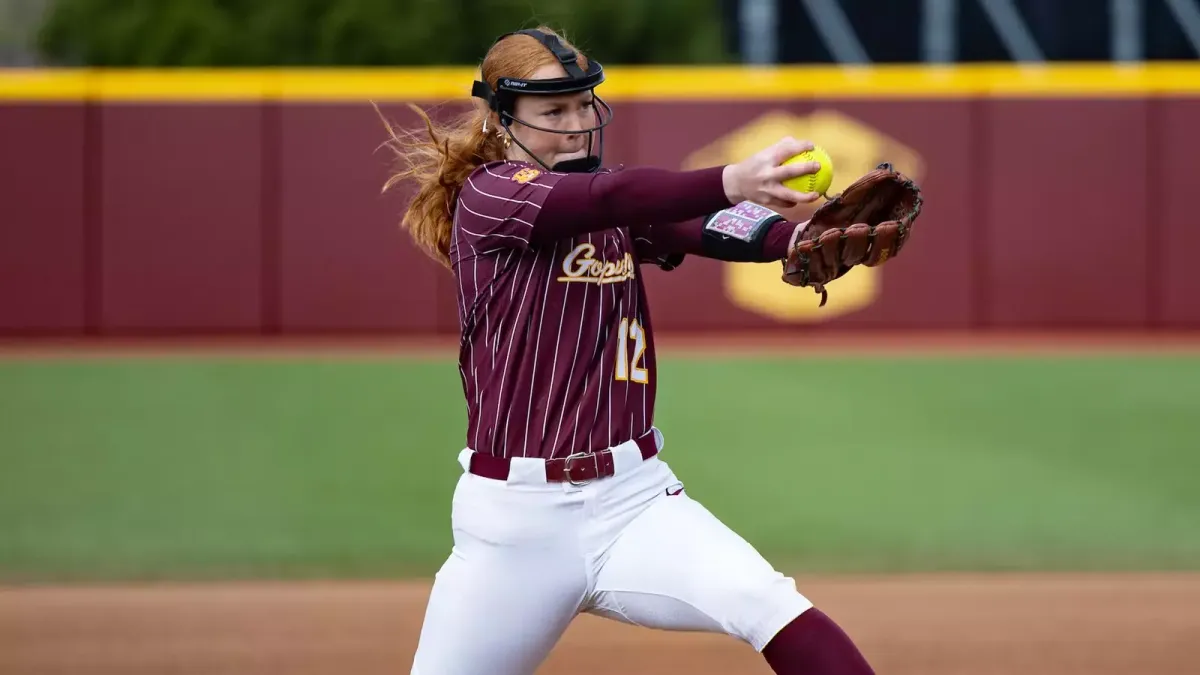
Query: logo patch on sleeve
point(741, 221)
point(525, 175)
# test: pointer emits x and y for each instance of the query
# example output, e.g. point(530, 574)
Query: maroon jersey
point(557, 355)
point(557, 351)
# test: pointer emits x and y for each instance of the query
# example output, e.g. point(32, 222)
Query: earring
point(485, 125)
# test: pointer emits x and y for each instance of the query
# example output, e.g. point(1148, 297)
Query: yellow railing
point(623, 84)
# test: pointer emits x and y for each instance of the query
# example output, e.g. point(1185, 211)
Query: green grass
point(125, 469)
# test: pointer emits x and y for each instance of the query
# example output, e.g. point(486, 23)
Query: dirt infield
point(927, 625)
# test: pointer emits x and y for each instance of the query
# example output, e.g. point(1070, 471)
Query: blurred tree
point(136, 33)
point(143, 33)
point(19, 20)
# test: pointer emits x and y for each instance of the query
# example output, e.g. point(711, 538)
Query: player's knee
point(764, 606)
point(814, 643)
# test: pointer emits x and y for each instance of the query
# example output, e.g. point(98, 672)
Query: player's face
point(568, 112)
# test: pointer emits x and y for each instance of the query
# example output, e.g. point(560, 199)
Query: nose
point(582, 119)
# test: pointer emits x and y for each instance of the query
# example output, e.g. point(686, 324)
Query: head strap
point(500, 99)
point(565, 56)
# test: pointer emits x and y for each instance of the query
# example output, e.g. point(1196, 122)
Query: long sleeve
point(637, 197)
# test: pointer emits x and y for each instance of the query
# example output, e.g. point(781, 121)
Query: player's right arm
point(664, 243)
point(518, 206)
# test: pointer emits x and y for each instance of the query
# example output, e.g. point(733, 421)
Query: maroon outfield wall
point(120, 218)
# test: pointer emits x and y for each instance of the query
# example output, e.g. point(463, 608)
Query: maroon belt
point(575, 469)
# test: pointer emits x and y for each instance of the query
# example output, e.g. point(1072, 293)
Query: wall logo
point(855, 149)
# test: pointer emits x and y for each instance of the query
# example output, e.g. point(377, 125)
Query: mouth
point(577, 154)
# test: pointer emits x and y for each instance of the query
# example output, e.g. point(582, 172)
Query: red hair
point(440, 160)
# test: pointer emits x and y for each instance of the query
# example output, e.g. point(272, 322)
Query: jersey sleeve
point(517, 205)
point(499, 204)
point(667, 244)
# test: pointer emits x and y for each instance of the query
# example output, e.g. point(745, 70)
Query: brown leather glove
point(867, 224)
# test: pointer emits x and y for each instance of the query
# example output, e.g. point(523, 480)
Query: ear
point(481, 108)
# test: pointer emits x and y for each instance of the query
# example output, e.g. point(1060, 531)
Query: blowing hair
point(439, 160)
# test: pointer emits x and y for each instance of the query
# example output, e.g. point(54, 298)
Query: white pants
point(530, 555)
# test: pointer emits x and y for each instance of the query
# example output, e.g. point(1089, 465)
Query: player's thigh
point(489, 614)
point(678, 567)
point(510, 587)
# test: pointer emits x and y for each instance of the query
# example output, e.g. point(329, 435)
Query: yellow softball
point(818, 182)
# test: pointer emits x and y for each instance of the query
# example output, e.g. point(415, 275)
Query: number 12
point(628, 369)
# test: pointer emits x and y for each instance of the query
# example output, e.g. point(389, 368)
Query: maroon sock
point(812, 644)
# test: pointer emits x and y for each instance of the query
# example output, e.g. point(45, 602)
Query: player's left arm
point(743, 233)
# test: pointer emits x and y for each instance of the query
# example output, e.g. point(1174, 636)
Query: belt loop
point(526, 471)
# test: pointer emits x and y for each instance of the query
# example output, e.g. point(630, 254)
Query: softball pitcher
point(564, 505)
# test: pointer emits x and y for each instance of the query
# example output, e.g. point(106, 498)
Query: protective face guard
point(503, 99)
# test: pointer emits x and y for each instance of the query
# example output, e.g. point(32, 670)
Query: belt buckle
point(567, 467)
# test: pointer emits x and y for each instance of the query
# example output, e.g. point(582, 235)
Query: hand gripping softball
point(867, 224)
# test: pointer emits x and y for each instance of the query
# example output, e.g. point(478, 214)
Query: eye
point(589, 104)
point(553, 112)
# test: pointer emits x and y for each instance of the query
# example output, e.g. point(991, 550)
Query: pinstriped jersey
point(557, 353)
